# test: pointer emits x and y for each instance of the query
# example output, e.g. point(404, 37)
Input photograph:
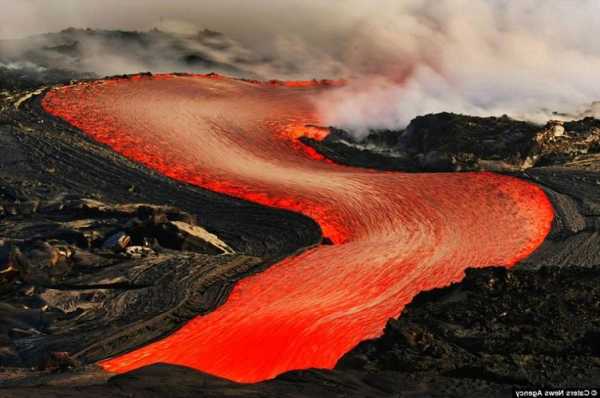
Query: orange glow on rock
point(395, 234)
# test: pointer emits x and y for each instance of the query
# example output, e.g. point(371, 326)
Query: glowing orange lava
point(395, 234)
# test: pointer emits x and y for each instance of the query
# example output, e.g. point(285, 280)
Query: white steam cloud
point(524, 58)
point(403, 58)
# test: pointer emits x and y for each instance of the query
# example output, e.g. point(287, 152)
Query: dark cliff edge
point(85, 235)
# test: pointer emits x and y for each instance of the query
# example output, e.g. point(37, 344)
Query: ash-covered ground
point(99, 255)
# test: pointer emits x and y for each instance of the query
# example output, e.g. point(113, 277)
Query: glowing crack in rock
point(395, 234)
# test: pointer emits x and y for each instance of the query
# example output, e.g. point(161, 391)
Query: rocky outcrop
point(496, 327)
point(82, 279)
point(451, 142)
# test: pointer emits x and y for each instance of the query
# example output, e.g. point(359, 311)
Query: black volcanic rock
point(499, 326)
point(489, 138)
point(23, 76)
point(452, 142)
point(132, 271)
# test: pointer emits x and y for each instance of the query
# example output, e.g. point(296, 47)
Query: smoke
point(525, 58)
point(28, 66)
point(254, 44)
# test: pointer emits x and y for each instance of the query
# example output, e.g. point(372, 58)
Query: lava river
point(394, 234)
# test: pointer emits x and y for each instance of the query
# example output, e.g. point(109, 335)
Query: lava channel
point(395, 234)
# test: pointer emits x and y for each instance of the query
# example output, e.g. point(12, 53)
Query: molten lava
point(395, 234)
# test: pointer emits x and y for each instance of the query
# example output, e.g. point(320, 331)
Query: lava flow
point(394, 234)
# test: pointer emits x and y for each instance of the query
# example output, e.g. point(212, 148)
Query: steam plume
point(522, 58)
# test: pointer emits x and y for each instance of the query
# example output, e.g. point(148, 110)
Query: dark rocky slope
point(452, 142)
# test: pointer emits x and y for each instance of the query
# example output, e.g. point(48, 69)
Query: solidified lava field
point(394, 234)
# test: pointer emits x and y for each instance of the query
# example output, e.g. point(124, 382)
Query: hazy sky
point(241, 19)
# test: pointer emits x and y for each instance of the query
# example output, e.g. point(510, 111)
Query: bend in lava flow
point(395, 234)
